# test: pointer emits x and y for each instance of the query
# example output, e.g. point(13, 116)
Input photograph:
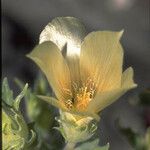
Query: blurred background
point(23, 21)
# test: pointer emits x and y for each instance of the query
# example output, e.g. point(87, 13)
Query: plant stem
point(69, 146)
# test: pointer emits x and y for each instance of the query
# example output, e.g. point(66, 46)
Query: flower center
point(82, 96)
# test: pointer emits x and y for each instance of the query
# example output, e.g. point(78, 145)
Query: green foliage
point(7, 94)
point(73, 130)
point(15, 132)
point(41, 114)
point(35, 107)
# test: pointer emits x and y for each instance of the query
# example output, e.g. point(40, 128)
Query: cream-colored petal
point(104, 99)
point(67, 33)
point(127, 79)
point(49, 58)
point(74, 67)
point(101, 59)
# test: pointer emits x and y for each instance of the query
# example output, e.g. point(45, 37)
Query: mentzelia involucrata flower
point(89, 81)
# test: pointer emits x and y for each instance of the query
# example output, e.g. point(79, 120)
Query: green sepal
point(75, 131)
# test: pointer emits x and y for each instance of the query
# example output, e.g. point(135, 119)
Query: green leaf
point(7, 94)
point(19, 97)
point(15, 132)
point(39, 112)
point(41, 85)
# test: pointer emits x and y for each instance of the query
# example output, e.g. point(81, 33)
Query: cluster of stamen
point(82, 96)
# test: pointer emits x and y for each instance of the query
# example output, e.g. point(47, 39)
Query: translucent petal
point(104, 99)
point(67, 33)
point(49, 58)
point(101, 59)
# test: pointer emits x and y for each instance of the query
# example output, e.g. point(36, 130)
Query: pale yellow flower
point(93, 81)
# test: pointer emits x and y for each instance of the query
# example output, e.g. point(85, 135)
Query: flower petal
point(104, 99)
point(52, 101)
point(49, 58)
point(127, 79)
point(101, 59)
point(61, 106)
point(67, 33)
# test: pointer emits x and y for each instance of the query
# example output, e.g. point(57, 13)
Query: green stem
point(69, 146)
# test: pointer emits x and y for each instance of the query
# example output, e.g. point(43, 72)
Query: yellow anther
point(81, 96)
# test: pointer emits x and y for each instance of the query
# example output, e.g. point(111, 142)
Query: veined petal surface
point(104, 99)
point(101, 59)
point(49, 58)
